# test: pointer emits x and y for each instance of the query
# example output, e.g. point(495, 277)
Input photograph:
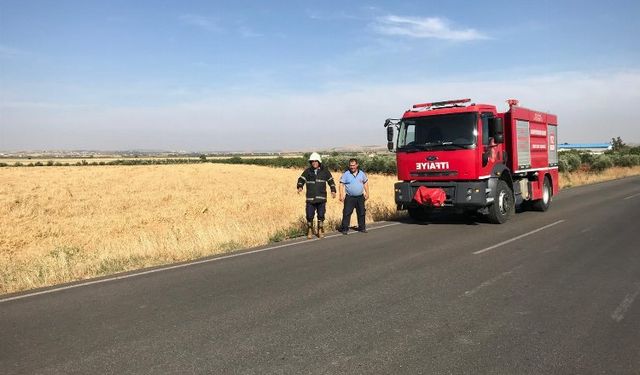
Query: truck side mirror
point(390, 138)
point(498, 129)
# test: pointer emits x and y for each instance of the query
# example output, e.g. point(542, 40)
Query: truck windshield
point(441, 132)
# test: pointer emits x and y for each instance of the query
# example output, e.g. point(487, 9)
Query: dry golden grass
point(59, 224)
point(568, 180)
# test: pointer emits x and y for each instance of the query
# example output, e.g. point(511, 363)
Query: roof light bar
point(439, 104)
point(513, 102)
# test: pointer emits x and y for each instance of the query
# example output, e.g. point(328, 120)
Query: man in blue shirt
point(354, 190)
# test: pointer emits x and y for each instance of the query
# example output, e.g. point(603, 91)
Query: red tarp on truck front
point(430, 197)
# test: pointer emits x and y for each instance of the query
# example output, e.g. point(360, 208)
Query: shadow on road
point(451, 216)
point(446, 217)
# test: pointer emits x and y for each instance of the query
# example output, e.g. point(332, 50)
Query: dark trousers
point(351, 202)
point(313, 207)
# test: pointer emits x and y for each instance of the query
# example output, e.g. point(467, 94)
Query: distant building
point(594, 148)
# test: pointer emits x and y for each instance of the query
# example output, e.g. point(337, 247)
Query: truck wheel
point(544, 203)
point(503, 204)
point(418, 213)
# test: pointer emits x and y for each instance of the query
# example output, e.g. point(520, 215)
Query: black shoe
point(344, 231)
point(363, 230)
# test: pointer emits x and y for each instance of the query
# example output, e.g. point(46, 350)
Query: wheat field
point(573, 179)
point(59, 224)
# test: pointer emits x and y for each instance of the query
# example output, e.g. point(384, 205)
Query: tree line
point(384, 164)
point(621, 155)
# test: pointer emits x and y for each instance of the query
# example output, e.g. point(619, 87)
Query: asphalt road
point(563, 297)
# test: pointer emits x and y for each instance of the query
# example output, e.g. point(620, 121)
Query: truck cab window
point(407, 133)
point(442, 132)
point(486, 132)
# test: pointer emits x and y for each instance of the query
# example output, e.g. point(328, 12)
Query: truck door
point(492, 153)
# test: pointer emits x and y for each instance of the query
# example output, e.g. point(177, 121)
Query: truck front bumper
point(463, 194)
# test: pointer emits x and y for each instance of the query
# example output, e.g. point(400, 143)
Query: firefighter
point(316, 177)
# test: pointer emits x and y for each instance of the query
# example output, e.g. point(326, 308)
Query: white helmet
point(315, 156)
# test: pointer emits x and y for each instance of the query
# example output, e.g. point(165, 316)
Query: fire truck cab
point(458, 154)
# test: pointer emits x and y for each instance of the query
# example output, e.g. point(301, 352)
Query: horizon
point(197, 75)
point(345, 148)
point(281, 151)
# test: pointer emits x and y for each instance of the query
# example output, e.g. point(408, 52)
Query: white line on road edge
point(618, 314)
point(518, 237)
point(489, 282)
point(381, 226)
point(167, 268)
point(632, 196)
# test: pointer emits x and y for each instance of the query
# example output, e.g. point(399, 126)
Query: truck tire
point(418, 213)
point(544, 203)
point(503, 204)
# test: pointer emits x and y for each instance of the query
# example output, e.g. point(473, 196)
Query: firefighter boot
point(310, 230)
point(320, 229)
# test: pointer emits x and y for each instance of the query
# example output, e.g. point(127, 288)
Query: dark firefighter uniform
point(316, 198)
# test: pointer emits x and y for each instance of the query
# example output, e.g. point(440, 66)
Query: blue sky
point(206, 75)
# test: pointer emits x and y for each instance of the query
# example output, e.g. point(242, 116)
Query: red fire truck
point(458, 154)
